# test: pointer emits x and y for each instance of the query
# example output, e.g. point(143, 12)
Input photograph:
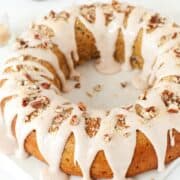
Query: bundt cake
point(72, 138)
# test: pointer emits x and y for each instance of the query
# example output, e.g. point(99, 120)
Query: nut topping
point(45, 85)
point(108, 137)
point(77, 85)
point(121, 123)
point(124, 84)
point(92, 125)
point(28, 77)
point(40, 103)
point(108, 13)
point(74, 120)
point(21, 44)
point(31, 116)
point(63, 15)
point(171, 101)
point(177, 52)
point(97, 88)
point(88, 12)
point(172, 78)
point(25, 102)
point(146, 113)
point(62, 115)
point(155, 22)
point(82, 106)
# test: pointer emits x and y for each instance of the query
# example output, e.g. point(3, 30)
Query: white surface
point(20, 13)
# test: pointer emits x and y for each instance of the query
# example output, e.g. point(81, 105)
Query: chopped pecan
point(177, 52)
point(97, 88)
point(88, 12)
point(82, 106)
point(121, 122)
point(172, 78)
point(28, 77)
point(154, 22)
point(45, 85)
point(25, 101)
point(40, 103)
point(108, 13)
point(108, 137)
point(92, 125)
point(77, 85)
point(146, 113)
point(74, 120)
point(171, 101)
point(31, 116)
point(62, 115)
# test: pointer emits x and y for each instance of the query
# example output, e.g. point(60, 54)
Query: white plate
point(20, 13)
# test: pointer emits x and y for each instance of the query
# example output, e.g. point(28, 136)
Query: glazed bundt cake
point(72, 138)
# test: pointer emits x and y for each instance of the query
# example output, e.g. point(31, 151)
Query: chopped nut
point(116, 5)
point(37, 36)
point(155, 22)
point(166, 38)
point(31, 116)
point(82, 106)
point(89, 94)
point(88, 12)
point(57, 120)
point(108, 137)
point(63, 15)
point(108, 13)
point(143, 96)
point(74, 120)
point(171, 101)
point(21, 44)
point(107, 112)
point(77, 85)
point(45, 85)
point(128, 108)
point(52, 14)
point(25, 101)
point(40, 103)
point(41, 31)
point(92, 125)
point(167, 96)
point(177, 52)
point(28, 77)
point(173, 108)
point(124, 84)
point(172, 78)
point(136, 62)
point(62, 115)
point(97, 88)
point(174, 35)
point(146, 113)
point(121, 123)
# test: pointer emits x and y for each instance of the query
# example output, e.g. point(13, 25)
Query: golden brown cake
point(72, 138)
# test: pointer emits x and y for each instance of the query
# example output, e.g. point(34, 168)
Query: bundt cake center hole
point(102, 91)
